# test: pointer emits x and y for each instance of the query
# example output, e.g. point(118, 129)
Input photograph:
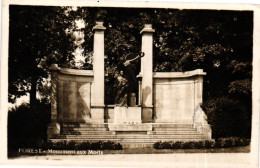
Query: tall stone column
point(98, 87)
point(54, 126)
point(147, 72)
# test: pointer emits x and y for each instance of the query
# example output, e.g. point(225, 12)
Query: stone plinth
point(128, 119)
point(127, 115)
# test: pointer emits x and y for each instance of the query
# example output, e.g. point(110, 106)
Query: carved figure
point(127, 68)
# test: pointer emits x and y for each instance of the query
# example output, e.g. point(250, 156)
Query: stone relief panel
point(69, 100)
point(73, 100)
point(173, 101)
point(83, 102)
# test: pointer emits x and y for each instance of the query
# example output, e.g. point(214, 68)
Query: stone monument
point(168, 107)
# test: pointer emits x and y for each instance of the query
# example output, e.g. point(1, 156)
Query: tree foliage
point(220, 42)
point(39, 36)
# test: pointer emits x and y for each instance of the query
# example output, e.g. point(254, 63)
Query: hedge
point(207, 144)
point(66, 145)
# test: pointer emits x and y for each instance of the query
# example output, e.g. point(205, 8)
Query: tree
point(39, 36)
point(220, 42)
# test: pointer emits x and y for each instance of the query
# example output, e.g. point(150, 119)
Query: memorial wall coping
point(69, 71)
point(77, 72)
point(186, 74)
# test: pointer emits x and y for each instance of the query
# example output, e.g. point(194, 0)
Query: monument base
point(127, 115)
point(128, 119)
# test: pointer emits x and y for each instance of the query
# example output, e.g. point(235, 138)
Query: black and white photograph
point(130, 84)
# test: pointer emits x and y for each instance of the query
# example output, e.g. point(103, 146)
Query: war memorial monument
point(165, 106)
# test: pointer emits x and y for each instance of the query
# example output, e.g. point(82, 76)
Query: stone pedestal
point(128, 119)
point(127, 115)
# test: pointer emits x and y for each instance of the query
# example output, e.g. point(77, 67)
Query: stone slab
point(127, 115)
point(173, 103)
point(130, 127)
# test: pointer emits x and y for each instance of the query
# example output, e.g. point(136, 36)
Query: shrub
point(188, 145)
point(231, 142)
point(83, 145)
point(24, 123)
point(88, 145)
point(199, 145)
point(219, 143)
point(177, 145)
point(157, 145)
point(209, 144)
point(227, 117)
point(242, 142)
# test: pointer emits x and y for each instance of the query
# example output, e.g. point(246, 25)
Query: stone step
point(84, 125)
point(81, 125)
point(85, 129)
point(185, 132)
point(173, 132)
point(106, 129)
point(174, 129)
point(132, 136)
point(173, 125)
point(122, 141)
point(136, 145)
point(86, 133)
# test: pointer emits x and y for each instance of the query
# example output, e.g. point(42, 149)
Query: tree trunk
point(33, 93)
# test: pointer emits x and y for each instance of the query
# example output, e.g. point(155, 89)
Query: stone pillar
point(198, 87)
point(54, 126)
point(147, 72)
point(98, 88)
